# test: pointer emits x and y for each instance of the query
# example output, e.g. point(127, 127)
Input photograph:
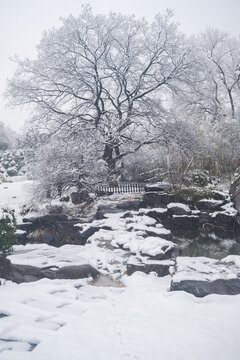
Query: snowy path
point(139, 322)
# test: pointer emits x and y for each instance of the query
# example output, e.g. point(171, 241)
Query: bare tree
point(102, 73)
point(215, 91)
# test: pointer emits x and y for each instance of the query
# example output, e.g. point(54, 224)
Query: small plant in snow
point(7, 231)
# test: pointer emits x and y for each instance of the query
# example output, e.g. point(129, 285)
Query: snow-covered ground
point(70, 319)
point(142, 320)
point(13, 195)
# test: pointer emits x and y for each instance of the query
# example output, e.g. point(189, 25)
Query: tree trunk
point(108, 157)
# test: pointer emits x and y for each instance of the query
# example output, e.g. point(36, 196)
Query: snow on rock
point(146, 265)
point(155, 247)
point(143, 220)
point(178, 209)
point(209, 204)
point(227, 209)
point(151, 231)
point(43, 255)
point(202, 276)
point(206, 269)
point(158, 210)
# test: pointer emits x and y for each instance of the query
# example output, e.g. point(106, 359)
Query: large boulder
point(204, 288)
point(209, 204)
point(235, 193)
point(159, 214)
point(19, 273)
point(146, 265)
point(76, 272)
point(202, 276)
point(157, 199)
point(53, 229)
point(178, 209)
point(158, 187)
point(131, 205)
point(26, 273)
point(87, 232)
point(185, 225)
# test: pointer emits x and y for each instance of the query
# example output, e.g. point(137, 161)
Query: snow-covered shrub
point(65, 164)
point(11, 162)
point(7, 231)
point(203, 178)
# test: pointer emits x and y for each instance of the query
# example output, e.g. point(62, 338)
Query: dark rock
point(65, 198)
point(85, 235)
point(204, 288)
point(237, 228)
point(45, 220)
point(225, 220)
point(26, 226)
point(76, 272)
point(161, 268)
point(21, 238)
point(185, 225)
point(131, 205)
point(19, 273)
point(102, 210)
point(157, 187)
point(235, 193)
point(209, 205)
point(54, 229)
point(188, 221)
point(164, 235)
point(166, 255)
point(156, 199)
point(218, 195)
point(27, 273)
point(205, 219)
point(128, 215)
point(178, 209)
point(54, 209)
point(159, 216)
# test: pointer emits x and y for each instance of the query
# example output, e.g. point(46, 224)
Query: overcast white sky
point(23, 21)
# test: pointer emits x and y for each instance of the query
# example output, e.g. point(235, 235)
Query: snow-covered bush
point(63, 164)
point(11, 162)
point(7, 231)
point(203, 178)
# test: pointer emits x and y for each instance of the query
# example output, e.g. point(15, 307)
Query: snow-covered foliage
point(68, 163)
point(7, 231)
point(11, 162)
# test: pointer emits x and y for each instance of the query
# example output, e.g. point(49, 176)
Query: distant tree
point(102, 72)
point(216, 90)
point(5, 137)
